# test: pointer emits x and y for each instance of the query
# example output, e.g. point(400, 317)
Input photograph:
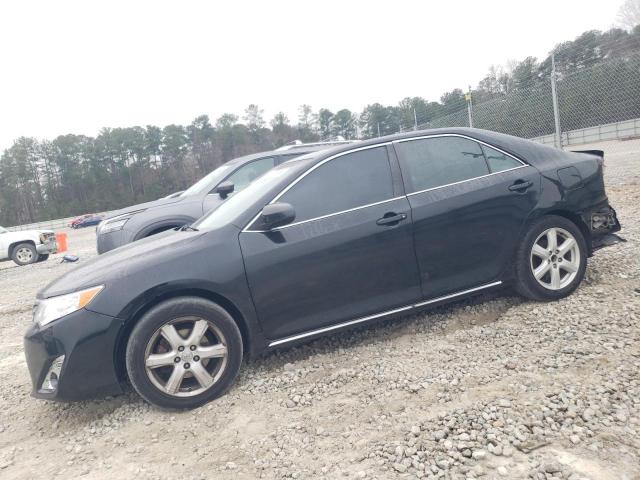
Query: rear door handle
point(391, 218)
point(520, 186)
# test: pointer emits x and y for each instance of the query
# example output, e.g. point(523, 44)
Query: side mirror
point(276, 215)
point(225, 189)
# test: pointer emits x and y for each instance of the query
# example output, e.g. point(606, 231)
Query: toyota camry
point(330, 240)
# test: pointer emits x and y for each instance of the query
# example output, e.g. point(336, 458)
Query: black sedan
point(330, 240)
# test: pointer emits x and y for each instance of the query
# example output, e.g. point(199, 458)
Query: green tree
point(377, 120)
point(629, 14)
point(453, 101)
point(306, 124)
point(204, 148)
point(253, 115)
point(525, 74)
point(344, 124)
point(282, 132)
point(325, 123)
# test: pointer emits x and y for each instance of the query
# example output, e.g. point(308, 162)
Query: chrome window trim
point(467, 180)
point(378, 315)
point(246, 228)
point(327, 215)
point(436, 135)
point(304, 174)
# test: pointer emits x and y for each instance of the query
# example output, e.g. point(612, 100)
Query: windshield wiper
point(185, 228)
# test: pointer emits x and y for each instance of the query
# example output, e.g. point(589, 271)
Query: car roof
point(293, 152)
point(528, 150)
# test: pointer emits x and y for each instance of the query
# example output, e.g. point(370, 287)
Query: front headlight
point(50, 309)
point(116, 223)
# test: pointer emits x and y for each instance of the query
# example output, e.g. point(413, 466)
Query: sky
point(78, 66)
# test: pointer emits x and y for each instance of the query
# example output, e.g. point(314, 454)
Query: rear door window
point(349, 181)
point(434, 162)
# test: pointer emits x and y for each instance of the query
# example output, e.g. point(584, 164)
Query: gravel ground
point(492, 387)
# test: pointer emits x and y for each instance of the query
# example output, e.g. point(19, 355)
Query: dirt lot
point(494, 387)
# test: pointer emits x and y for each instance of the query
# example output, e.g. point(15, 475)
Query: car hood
point(143, 206)
point(116, 264)
point(29, 233)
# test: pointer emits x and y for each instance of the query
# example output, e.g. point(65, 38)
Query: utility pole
point(415, 120)
point(378, 128)
point(469, 107)
point(554, 96)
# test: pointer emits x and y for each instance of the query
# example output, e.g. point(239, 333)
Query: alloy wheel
point(555, 258)
point(186, 356)
point(24, 255)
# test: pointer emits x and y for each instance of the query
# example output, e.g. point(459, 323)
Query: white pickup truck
point(26, 247)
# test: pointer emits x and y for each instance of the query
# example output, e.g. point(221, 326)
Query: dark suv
point(145, 219)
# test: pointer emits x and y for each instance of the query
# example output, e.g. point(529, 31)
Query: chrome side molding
point(338, 326)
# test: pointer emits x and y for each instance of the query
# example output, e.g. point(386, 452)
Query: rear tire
point(24, 254)
point(183, 353)
point(551, 260)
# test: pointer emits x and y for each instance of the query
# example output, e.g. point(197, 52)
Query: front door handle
point(391, 218)
point(520, 186)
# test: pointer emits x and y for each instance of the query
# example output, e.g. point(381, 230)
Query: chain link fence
point(596, 105)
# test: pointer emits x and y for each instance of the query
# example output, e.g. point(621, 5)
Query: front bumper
point(108, 241)
point(47, 248)
point(88, 342)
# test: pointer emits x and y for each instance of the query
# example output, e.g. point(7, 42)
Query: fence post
point(469, 107)
point(554, 95)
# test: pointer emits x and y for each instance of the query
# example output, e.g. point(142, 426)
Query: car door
point(469, 202)
point(348, 254)
point(242, 177)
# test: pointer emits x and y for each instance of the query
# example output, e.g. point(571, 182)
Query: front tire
point(183, 353)
point(43, 257)
point(24, 254)
point(552, 259)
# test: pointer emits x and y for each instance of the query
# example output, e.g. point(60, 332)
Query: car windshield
point(242, 200)
point(207, 182)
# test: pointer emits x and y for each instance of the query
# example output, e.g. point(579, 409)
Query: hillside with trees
point(599, 82)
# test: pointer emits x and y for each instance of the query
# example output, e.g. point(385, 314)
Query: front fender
point(242, 311)
point(208, 264)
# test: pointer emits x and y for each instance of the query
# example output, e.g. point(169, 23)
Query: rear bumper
point(603, 223)
point(606, 240)
point(86, 342)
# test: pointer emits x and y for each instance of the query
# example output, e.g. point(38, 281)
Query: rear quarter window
point(498, 161)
